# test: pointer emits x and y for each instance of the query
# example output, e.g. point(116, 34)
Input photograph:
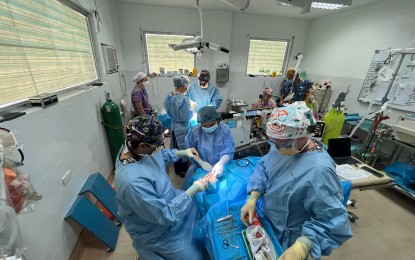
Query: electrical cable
point(411, 158)
point(248, 162)
point(250, 136)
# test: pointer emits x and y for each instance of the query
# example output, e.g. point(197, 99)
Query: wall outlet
point(67, 177)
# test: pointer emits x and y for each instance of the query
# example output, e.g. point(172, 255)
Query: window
point(44, 47)
point(159, 54)
point(266, 56)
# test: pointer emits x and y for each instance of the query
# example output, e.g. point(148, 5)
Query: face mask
point(146, 83)
point(210, 130)
point(312, 98)
point(292, 151)
point(204, 86)
point(156, 150)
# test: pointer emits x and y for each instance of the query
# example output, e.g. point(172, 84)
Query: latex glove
point(190, 152)
point(217, 170)
point(248, 209)
point(198, 186)
point(193, 105)
point(205, 165)
point(299, 250)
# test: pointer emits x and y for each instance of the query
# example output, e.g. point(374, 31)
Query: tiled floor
point(385, 230)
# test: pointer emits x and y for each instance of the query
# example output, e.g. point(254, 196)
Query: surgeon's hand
point(198, 186)
point(205, 165)
point(299, 250)
point(190, 152)
point(248, 210)
point(217, 170)
point(193, 105)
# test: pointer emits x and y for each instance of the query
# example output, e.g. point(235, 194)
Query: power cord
point(244, 163)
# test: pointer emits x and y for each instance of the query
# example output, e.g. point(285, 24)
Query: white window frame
point(94, 43)
point(286, 54)
point(164, 33)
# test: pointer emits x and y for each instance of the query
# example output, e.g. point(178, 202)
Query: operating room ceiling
point(262, 7)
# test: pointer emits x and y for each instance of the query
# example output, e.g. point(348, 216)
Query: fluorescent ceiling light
point(320, 4)
point(329, 6)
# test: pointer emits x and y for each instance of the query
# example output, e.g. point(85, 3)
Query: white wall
point(65, 136)
point(227, 29)
point(260, 26)
point(340, 47)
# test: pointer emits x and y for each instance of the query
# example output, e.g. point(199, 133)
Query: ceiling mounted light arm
point(195, 45)
point(238, 4)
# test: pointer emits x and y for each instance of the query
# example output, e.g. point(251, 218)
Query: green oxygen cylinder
point(113, 126)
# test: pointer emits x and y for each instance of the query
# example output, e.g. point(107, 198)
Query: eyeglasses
point(157, 144)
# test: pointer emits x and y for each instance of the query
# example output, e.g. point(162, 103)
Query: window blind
point(266, 56)
point(159, 54)
point(44, 47)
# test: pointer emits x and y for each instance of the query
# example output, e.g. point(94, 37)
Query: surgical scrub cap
point(185, 79)
point(206, 114)
point(180, 81)
point(144, 128)
point(267, 91)
point(204, 75)
point(139, 76)
point(290, 122)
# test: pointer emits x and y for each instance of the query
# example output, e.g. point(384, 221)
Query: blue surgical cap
point(206, 114)
point(180, 81)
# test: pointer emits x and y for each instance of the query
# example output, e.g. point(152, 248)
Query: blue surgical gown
point(211, 147)
point(159, 219)
point(302, 196)
point(209, 96)
point(178, 108)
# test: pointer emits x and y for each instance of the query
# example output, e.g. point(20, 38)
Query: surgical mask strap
point(303, 146)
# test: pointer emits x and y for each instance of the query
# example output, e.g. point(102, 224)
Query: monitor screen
point(339, 147)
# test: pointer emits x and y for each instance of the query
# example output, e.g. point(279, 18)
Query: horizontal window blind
point(266, 56)
point(161, 55)
point(44, 47)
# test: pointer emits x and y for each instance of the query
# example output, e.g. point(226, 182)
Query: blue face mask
point(210, 130)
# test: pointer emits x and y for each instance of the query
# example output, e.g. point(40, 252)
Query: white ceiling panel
point(262, 7)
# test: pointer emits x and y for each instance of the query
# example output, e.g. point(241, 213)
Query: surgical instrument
point(226, 244)
point(224, 218)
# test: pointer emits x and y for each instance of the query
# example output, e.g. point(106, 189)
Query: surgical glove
point(217, 170)
point(190, 152)
point(205, 165)
point(193, 105)
point(198, 186)
point(248, 209)
point(299, 250)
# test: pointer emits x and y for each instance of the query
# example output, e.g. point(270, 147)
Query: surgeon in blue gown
point(159, 218)
point(301, 193)
point(204, 92)
point(213, 140)
point(178, 107)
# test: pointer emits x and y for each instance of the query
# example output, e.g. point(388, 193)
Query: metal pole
point(393, 78)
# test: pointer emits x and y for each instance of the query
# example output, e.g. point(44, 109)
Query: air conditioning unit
point(110, 58)
point(238, 4)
